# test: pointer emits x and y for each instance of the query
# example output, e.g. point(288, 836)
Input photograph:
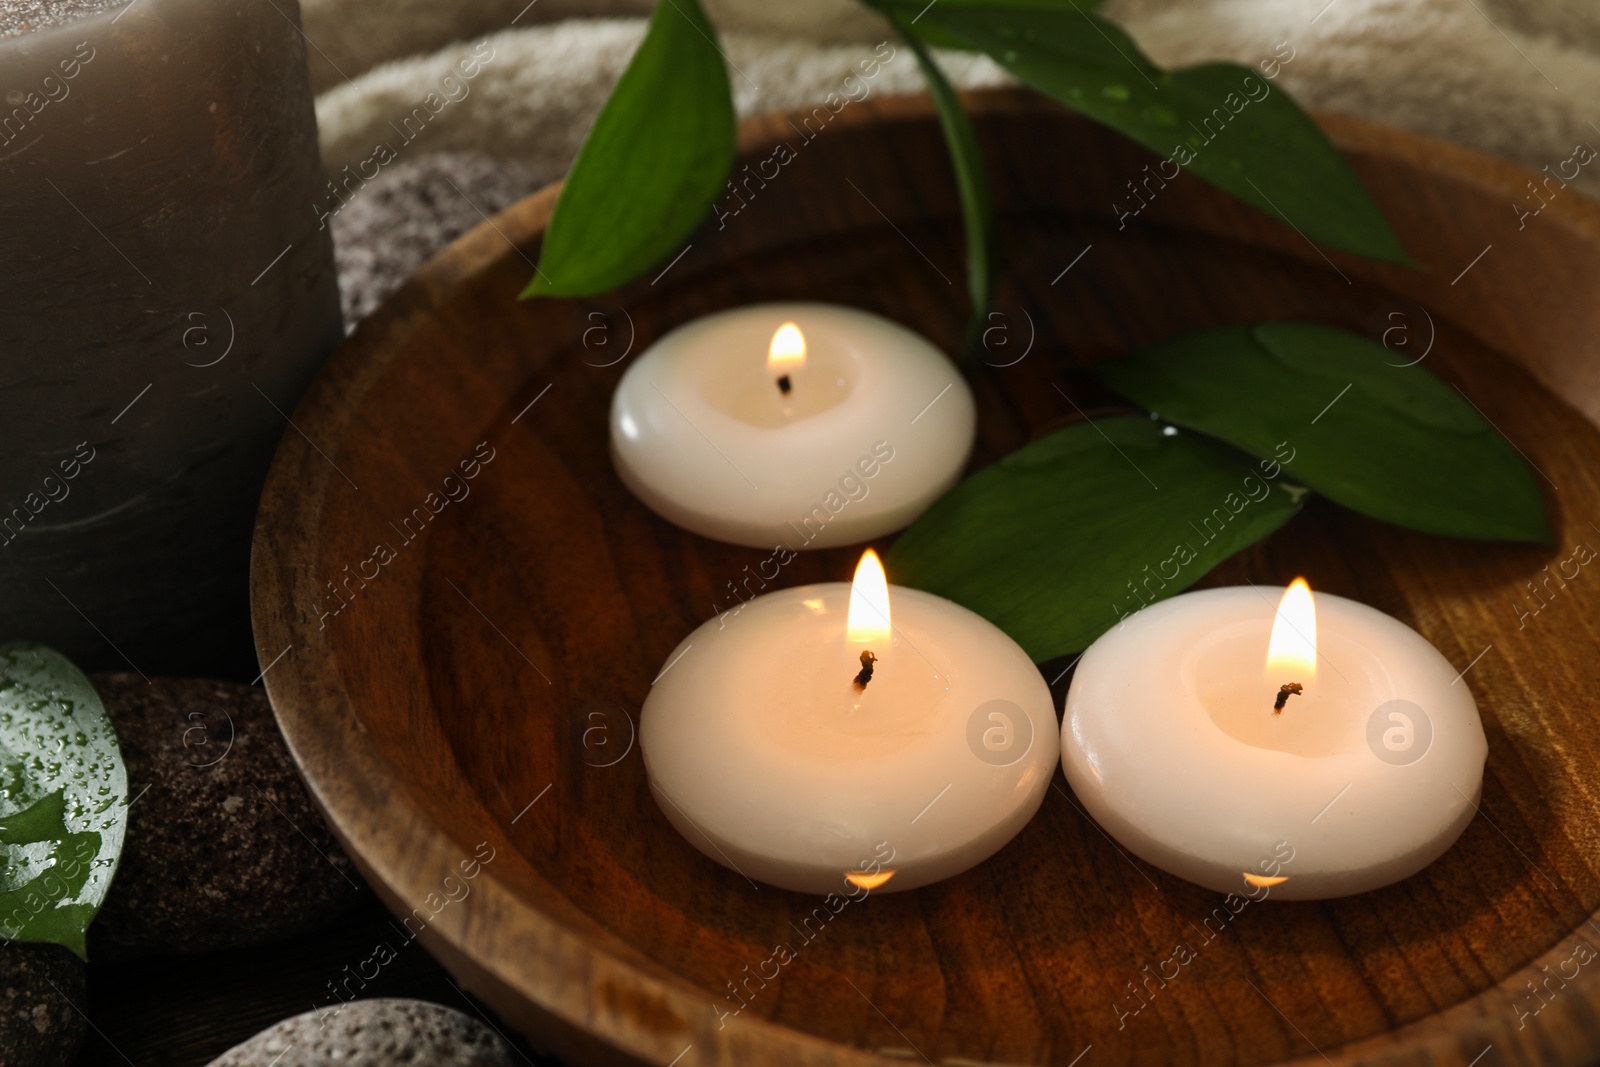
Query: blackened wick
point(865, 676)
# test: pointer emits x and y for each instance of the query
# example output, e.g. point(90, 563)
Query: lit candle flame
point(868, 880)
point(868, 620)
point(787, 353)
point(1292, 651)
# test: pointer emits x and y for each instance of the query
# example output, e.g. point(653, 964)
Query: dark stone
point(373, 1033)
point(39, 986)
point(225, 848)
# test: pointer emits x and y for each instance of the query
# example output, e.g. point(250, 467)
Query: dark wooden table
point(184, 1011)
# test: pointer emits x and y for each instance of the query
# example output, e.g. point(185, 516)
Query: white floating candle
point(807, 742)
point(802, 425)
point(1368, 771)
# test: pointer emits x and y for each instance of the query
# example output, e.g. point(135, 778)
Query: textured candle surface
point(165, 295)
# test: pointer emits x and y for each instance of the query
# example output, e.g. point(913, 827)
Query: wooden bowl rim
point(609, 1000)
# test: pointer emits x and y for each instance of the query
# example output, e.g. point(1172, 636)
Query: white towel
point(432, 111)
point(1515, 78)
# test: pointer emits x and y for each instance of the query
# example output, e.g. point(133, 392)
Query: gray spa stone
point(373, 1033)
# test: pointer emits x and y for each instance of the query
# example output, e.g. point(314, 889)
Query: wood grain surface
point(472, 686)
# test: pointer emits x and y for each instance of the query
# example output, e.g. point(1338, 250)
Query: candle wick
point(865, 676)
point(785, 386)
point(1284, 693)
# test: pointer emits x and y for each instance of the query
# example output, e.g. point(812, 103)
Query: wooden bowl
point(458, 653)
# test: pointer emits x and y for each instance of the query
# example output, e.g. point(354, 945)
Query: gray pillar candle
point(166, 293)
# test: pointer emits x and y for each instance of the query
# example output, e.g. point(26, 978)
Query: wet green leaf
point(1366, 430)
point(63, 798)
point(1060, 539)
point(651, 167)
point(1225, 123)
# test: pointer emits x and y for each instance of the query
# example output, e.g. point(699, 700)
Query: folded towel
point(1513, 78)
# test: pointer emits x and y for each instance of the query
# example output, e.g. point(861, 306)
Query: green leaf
point(1367, 431)
point(940, 39)
point(1224, 123)
point(1059, 540)
point(651, 167)
point(977, 208)
point(63, 798)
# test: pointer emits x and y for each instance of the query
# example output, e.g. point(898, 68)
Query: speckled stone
point(39, 984)
point(18, 17)
point(373, 1033)
point(225, 848)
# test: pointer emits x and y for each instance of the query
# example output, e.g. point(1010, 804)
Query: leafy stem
point(652, 165)
point(977, 207)
point(661, 149)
